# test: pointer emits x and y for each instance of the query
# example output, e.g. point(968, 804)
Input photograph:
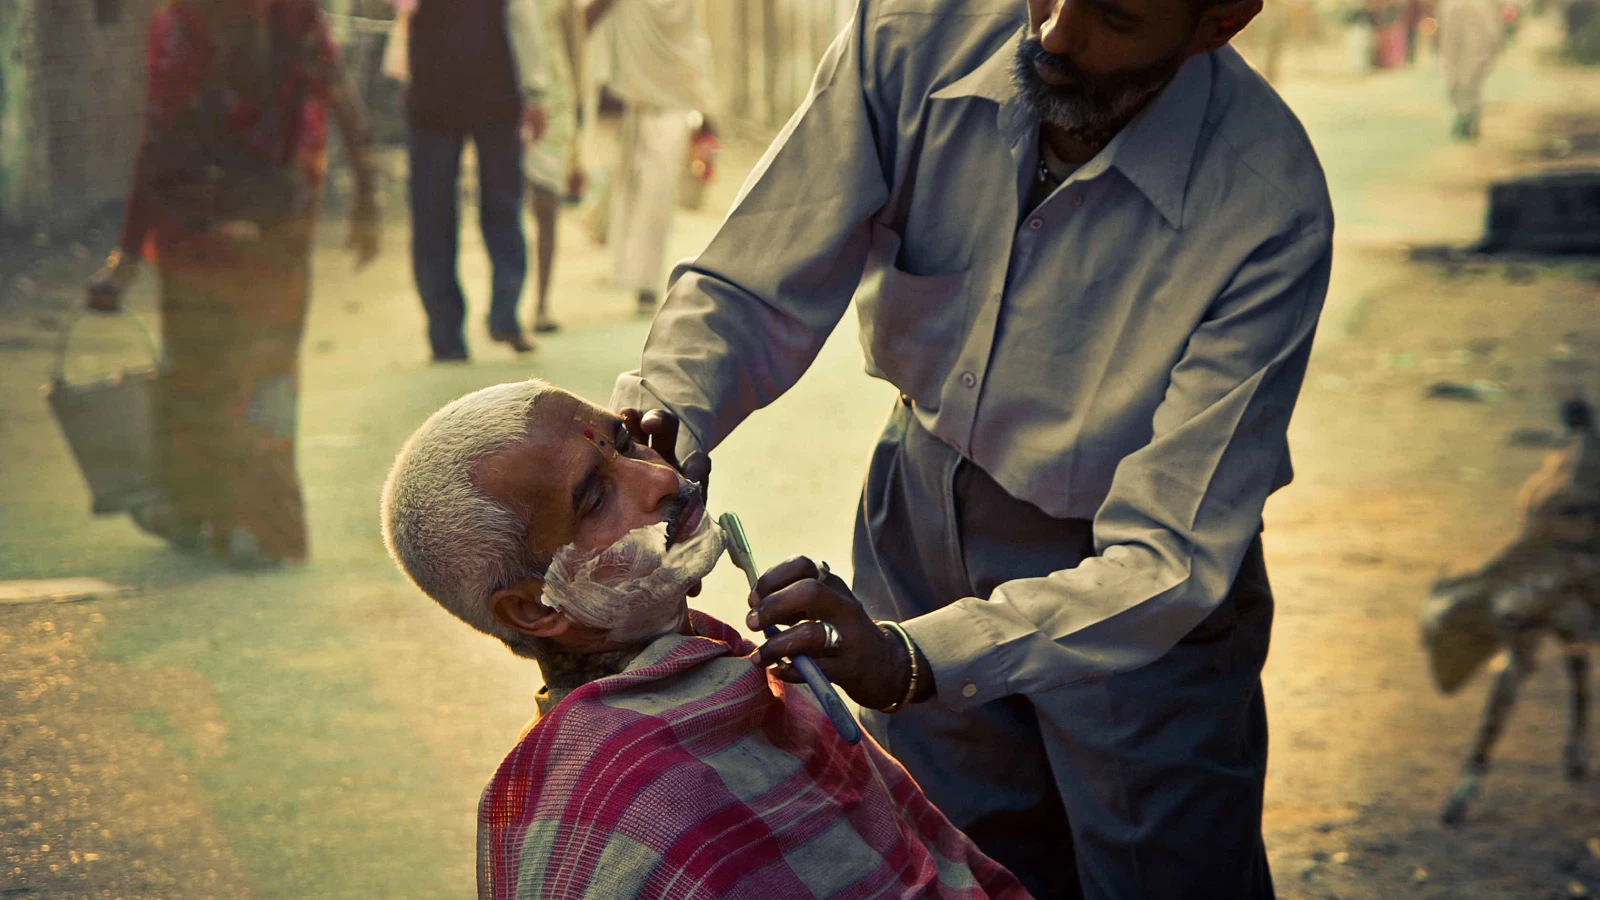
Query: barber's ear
point(1223, 21)
point(520, 608)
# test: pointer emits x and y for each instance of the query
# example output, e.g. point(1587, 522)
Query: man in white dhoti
point(1471, 33)
point(654, 56)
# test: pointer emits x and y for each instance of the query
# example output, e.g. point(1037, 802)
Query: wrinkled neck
point(565, 671)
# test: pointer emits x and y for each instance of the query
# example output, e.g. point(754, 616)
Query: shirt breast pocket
point(912, 326)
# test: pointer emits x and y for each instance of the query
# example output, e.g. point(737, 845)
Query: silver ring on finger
point(830, 636)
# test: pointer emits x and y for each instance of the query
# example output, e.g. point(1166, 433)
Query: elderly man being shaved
point(664, 760)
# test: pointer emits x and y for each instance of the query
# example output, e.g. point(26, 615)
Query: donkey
point(1547, 581)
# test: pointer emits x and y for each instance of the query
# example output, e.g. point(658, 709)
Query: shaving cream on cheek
point(634, 589)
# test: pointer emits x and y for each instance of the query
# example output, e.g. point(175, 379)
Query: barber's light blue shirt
point(1130, 351)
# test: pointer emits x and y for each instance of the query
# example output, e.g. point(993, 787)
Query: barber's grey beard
point(1093, 108)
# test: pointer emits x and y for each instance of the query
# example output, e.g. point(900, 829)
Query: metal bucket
point(110, 426)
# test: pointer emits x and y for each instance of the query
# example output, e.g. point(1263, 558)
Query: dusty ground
point(324, 732)
point(1364, 750)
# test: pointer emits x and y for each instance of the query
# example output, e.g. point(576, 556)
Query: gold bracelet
point(911, 651)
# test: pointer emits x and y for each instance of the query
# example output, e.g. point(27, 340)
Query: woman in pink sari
point(224, 201)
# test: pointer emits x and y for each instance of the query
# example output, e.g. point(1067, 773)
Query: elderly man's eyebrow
point(586, 484)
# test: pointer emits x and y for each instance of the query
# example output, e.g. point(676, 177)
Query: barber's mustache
point(1063, 68)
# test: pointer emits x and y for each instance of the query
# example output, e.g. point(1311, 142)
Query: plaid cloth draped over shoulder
point(694, 774)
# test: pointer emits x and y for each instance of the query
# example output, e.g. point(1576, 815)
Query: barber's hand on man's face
point(658, 430)
point(872, 666)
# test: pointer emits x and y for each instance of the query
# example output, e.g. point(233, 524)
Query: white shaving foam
point(634, 589)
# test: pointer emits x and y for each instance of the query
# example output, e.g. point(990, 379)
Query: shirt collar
point(1155, 151)
point(991, 80)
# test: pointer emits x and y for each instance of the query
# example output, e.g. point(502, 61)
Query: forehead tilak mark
point(597, 432)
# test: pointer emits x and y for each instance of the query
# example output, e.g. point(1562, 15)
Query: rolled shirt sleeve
point(743, 322)
point(1180, 513)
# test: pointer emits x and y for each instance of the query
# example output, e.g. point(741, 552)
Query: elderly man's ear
point(520, 608)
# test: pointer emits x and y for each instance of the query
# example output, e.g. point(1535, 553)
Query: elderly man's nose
point(655, 482)
point(1061, 33)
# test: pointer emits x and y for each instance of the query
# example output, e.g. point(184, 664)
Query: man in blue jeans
point(470, 77)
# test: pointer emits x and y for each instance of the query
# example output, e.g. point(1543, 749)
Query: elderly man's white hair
point(455, 542)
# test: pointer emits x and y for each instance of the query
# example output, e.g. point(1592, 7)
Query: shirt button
point(1036, 223)
point(969, 379)
point(969, 690)
point(1078, 200)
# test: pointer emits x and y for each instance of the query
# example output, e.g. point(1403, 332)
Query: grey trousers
point(1144, 784)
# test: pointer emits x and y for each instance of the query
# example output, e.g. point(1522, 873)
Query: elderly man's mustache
point(688, 497)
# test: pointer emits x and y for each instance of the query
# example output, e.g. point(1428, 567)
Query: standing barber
point(1089, 249)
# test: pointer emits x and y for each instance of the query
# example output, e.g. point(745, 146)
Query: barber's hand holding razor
point(872, 664)
point(658, 430)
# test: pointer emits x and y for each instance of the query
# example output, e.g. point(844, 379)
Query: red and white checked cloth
point(694, 774)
